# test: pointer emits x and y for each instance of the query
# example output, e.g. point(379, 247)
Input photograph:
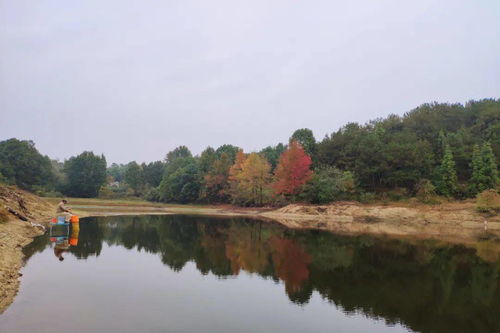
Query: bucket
point(74, 219)
point(61, 219)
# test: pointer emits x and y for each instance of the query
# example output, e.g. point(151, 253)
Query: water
point(200, 274)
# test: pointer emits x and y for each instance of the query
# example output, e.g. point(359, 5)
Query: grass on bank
point(488, 202)
point(96, 206)
point(4, 214)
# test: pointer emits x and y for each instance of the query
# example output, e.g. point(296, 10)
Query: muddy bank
point(16, 233)
point(452, 221)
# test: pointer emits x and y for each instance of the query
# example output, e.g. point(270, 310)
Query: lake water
point(205, 274)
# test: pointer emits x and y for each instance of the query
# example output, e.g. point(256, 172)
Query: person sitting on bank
point(63, 210)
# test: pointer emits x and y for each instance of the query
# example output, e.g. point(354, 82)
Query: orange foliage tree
point(250, 177)
point(293, 170)
point(216, 180)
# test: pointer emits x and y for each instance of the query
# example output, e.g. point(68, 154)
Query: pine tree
point(476, 180)
point(490, 172)
point(447, 184)
point(484, 169)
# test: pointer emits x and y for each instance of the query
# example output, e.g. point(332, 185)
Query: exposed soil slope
point(16, 233)
point(457, 220)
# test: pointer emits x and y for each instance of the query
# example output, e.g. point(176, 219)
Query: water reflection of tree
point(428, 286)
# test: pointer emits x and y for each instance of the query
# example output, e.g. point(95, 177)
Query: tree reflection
point(427, 285)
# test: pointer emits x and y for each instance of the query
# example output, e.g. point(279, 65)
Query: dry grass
point(4, 214)
point(488, 201)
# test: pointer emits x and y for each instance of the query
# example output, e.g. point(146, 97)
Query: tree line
point(452, 150)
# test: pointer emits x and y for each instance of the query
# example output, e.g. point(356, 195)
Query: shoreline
point(452, 223)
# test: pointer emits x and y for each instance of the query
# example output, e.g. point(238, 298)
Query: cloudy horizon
point(133, 80)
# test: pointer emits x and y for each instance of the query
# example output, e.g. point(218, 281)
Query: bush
point(398, 194)
point(425, 191)
point(366, 197)
point(42, 191)
point(488, 201)
point(152, 195)
point(106, 193)
point(328, 184)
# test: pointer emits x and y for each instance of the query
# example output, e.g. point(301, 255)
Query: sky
point(135, 79)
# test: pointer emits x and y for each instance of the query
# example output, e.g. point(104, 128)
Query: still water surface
point(200, 274)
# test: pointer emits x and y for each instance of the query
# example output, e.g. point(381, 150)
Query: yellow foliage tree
point(250, 177)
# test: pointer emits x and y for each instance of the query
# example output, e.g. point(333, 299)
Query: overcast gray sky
point(135, 79)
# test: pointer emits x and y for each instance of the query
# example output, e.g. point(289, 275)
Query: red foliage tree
point(293, 170)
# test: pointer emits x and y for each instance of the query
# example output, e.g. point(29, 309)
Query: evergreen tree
point(490, 170)
point(447, 182)
point(484, 169)
point(476, 180)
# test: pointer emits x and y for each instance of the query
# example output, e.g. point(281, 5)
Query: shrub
point(367, 197)
point(425, 191)
point(488, 201)
point(398, 194)
point(106, 193)
point(329, 184)
point(152, 195)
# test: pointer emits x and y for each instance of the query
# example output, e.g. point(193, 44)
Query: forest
point(437, 150)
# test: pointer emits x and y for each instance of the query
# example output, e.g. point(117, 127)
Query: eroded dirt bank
point(456, 221)
point(16, 233)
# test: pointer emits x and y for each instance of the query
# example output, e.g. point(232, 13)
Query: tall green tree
point(305, 137)
point(179, 152)
point(447, 176)
point(134, 177)
point(21, 164)
point(117, 171)
point(153, 173)
point(484, 169)
point(181, 181)
point(85, 174)
point(207, 159)
point(230, 150)
point(273, 153)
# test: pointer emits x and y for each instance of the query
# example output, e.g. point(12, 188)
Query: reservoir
point(177, 273)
